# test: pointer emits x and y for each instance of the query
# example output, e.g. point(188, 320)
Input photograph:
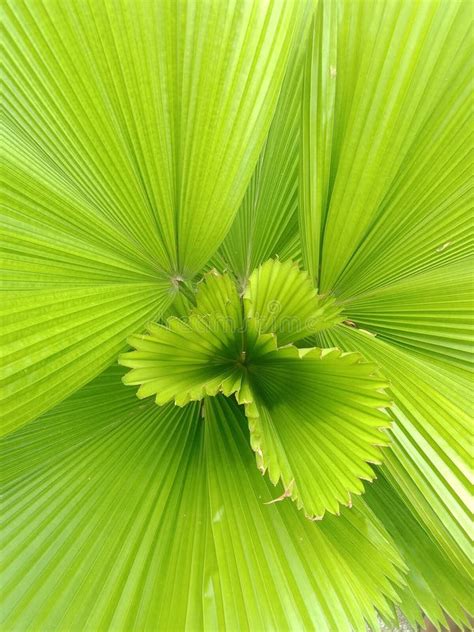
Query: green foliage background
point(151, 144)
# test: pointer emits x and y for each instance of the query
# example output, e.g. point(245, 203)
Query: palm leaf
point(266, 224)
point(185, 360)
point(281, 298)
point(137, 136)
point(386, 195)
point(429, 458)
point(316, 132)
point(214, 349)
point(384, 177)
point(166, 516)
point(429, 313)
point(118, 158)
point(315, 424)
point(436, 586)
point(54, 341)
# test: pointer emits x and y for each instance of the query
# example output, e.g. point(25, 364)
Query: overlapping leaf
point(428, 313)
point(54, 341)
point(386, 198)
point(131, 132)
point(429, 461)
point(167, 527)
point(266, 224)
point(150, 148)
point(315, 422)
point(436, 587)
point(320, 404)
point(385, 165)
point(208, 352)
point(184, 360)
point(281, 299)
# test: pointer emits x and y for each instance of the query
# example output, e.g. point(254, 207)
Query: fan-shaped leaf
point(429, 313)
point(129, 129)
point(429, 461)
point(435, 585)
point(186, 360)
point(209, 352)
point(385, 174)
point(119, 514)
point(54, 341)
point(266, 224)
point(281, 299)
point(315, 423)
point(132, 130)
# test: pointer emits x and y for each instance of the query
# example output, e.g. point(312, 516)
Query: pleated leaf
point(54, 341)
point(281, 299)
point(210, 350)
point(436, 587)
point(180, 362)
point(124, 515)
point(184, 360)
point(386, 161)
point(266, 224)
point(316, 423)
point(428, 313)
point(131, 132)
point(158, 118)
point(319, 95)
point(429, 461)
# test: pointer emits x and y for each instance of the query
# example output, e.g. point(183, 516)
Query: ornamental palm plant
point(263, 207)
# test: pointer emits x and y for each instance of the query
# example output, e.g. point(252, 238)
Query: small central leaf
point(316, 421)
point(225, 333)
point(315, 416)
point(283, 300)
point(184, 361)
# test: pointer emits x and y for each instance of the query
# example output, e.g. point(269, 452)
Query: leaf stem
point(187, 292)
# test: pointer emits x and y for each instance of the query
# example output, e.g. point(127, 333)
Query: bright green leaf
point(211, 350)
point(168, 527)
point(435, 585)
point(385, 174)
point(281, 299)
point(162, 127)
point(266, 224)
point(54, 341)
point(132, 130)
point(315, 424)
point(317, 133)
point(184, 360)
point(147, 142)
point(428, 313)
point(429, 460)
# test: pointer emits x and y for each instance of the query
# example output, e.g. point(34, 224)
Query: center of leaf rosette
point(315, 415)
point(208, 352)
